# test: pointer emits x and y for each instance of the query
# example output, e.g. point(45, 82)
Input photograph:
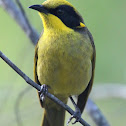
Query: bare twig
point(22, 20)
point(38, 87)
point(24, 14)
point(96, 114)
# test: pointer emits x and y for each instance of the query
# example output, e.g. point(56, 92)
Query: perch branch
point(38, 87)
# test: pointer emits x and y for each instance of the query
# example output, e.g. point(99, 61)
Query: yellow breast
point(64, 61)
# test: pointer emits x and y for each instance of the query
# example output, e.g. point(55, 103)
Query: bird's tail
point(53, 117)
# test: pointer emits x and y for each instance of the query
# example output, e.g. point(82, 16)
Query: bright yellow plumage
point(64, 64)
point(64, 57)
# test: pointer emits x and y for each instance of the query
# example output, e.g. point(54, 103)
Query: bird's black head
point(68, 16)
point(65, 12)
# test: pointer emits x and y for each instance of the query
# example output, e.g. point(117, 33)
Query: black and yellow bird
point(64, 58)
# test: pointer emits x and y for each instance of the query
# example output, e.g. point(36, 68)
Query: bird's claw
point(43, 91)
point(76, 115)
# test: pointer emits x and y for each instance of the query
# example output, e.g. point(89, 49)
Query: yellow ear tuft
point(82, 25)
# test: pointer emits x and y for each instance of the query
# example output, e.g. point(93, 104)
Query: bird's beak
point(39, 8)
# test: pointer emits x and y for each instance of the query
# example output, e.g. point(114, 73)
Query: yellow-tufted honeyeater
point(64, 58)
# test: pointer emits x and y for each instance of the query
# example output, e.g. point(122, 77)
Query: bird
point(64, 60)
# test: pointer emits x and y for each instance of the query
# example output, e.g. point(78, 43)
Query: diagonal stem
point(24, 14)
point(18, 15)
point(38, 87)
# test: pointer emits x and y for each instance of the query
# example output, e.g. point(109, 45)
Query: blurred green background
point(106, 19)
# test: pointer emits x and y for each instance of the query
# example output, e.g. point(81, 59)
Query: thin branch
point(14, 11)
point(24, 14)
point(96, 114)
point(38, 87)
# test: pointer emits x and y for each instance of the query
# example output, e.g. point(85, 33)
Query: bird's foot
point(76, 115)
point(43, 91)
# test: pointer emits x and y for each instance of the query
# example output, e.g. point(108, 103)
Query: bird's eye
point(60, 12)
